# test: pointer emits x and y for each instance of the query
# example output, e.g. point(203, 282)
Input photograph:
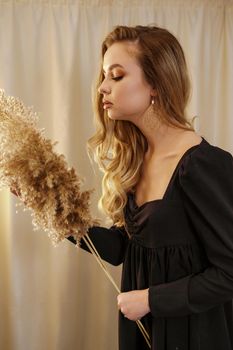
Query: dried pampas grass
point(33, 170)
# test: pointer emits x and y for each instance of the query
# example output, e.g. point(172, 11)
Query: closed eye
point(117, 78)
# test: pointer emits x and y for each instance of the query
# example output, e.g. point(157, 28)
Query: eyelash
point(117, 78)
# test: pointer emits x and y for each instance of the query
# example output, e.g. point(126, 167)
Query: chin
point(113, 117)
point(116, 117)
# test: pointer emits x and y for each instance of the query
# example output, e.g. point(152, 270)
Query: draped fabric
point(59, 298)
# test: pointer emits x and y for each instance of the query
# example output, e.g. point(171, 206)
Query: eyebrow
point(113, 66)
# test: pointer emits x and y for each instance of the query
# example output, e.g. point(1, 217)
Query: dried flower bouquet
point(32, 169)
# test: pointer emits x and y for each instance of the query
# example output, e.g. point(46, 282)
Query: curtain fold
point(58, 298)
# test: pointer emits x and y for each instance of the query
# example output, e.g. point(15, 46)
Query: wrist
point(147, 299)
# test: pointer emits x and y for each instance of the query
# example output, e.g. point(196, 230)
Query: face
point(124, 86)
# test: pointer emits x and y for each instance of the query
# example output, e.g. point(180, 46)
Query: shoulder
point(214, 152)
point(207, 159)
point(206, 178)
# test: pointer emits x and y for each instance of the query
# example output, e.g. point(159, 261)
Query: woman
point(169, 193)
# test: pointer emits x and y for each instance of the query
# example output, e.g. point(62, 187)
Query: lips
point(106, 103)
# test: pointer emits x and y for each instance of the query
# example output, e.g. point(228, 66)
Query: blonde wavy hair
point(119, 146)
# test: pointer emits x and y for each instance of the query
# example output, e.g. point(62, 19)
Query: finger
point(118, 302)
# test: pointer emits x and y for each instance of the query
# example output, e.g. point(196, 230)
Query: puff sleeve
point(206, 181)
point(110, 243)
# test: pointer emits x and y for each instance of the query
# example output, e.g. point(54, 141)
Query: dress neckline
point(139, 207)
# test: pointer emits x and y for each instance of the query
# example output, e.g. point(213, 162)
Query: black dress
point(181, 248)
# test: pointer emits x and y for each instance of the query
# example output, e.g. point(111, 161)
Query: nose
point(104, 88)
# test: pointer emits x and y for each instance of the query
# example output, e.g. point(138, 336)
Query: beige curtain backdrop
point(59, 298)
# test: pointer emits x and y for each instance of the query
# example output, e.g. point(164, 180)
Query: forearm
point(111, 243)
point(194, 293)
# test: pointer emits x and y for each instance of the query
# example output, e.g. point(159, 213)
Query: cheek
point(131, 95)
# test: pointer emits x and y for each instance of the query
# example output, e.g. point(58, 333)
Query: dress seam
point(137, 241)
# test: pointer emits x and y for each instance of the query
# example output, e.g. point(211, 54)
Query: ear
point(153, 93)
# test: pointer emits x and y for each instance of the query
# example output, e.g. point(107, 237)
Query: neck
point(162, 139)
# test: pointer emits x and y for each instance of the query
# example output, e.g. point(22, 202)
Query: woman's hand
point(15, 190)
point(134, 304)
